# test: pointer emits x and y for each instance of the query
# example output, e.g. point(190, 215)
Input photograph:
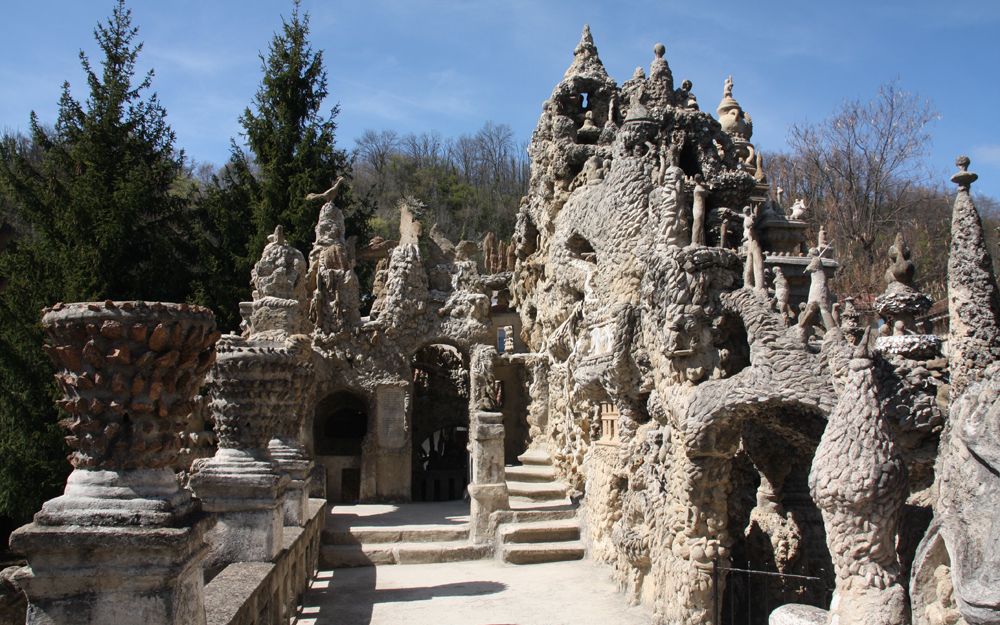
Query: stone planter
point(123, 535)
point(128, 371)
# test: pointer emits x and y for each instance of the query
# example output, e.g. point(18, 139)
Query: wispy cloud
point(988, 153)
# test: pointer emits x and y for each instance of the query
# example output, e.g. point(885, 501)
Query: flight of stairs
point(535, 479)
point(542, 525)
point(405, 544)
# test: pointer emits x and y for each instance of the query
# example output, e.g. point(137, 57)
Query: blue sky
point(415, 66)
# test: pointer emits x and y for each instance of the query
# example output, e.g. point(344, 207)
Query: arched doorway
point(440, 423)
point(339, 429)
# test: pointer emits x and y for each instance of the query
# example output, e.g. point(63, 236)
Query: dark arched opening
point(440, 423)
point(339, 429)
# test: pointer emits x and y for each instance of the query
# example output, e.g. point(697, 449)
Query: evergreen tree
point(97, 216)
point(291, 152)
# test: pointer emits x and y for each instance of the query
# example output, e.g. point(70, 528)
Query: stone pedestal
point(488, 490)
point(293, 461)
point(122, 575)
point(247, 495)
point(242, 484)
point(123, 544)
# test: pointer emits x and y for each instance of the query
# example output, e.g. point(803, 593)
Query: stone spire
point(973, 298)
point(661, 81)
point(585, 61)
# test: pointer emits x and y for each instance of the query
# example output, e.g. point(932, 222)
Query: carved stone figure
point(698, 211)
point(781, 295)
point(858, 480)
point(334, 308)
point(753, 272)
point(798, 210)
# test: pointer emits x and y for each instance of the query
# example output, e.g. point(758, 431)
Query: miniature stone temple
point(659, 346)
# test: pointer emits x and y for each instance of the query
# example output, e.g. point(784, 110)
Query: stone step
point(536, 553)
point(541, 532)
point(396, 534)
point(523, 511)
point(536, 457)
point(537, 491)
point(531, 473)
point(341, 556)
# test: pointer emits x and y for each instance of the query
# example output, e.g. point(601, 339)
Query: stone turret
point(973, 297)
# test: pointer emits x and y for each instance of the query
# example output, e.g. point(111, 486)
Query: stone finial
point(901, 269)
point(281, 270)
point(659, 50)
point(586, 46)
point(639, 74)
point(964, 178)
point(731, 114)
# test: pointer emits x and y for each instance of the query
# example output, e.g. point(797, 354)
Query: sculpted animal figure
point(799, 209)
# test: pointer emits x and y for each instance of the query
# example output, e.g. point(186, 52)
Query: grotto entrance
point(440, 423)
point(339, 428)
point(776, 525)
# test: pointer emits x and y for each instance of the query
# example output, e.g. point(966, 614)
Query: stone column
point(488, 489)
point(286, 447)
point(242, 484)
point(123, 544)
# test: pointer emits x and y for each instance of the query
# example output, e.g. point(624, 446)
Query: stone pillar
point(242, 484)
point(286, 447)
point(123, 544)
point(488, 489)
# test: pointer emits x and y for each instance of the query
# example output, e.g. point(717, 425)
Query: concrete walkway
point(470, 593)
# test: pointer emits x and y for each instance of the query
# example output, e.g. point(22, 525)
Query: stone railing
point(125, 543)
point(269, 593)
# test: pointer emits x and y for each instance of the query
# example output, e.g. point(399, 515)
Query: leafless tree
point(862, 170)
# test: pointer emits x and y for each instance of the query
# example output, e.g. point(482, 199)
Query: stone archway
point(340, 426)
point(440, 421)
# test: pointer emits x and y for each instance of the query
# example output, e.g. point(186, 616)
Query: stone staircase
point(356, 544)
point(541, 525)
point(535, 479)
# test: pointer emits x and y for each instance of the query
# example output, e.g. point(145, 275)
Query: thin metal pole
point(715, 591)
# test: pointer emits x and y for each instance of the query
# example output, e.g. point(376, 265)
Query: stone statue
point(819, 291)
point(781, 295)
point(901, 268)
point(279, 280)
point(684, 97)
point(859, 482)
point(410, 230)
point(798, 210)
point(753, 268)
point(698, 211)
point(335, 303)
point(330, 194)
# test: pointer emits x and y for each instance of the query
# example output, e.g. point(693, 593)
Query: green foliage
point(98, 216)
point(291, 153)
point(471, 185)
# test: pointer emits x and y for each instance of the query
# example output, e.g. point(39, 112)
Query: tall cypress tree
point(291, 151)
point(97, 217)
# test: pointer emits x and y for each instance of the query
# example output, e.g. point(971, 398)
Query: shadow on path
point(349, 596)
